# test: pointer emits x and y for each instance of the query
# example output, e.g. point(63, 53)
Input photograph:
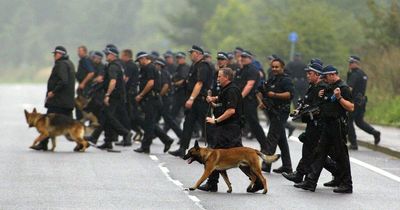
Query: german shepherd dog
point(53, 125)
point(81, 103)
point(223, 159)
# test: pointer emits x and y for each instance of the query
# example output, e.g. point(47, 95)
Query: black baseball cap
point(246, 53)
point(111, 50)
point(140, 55)
point(222, 56)
point(60, 49)
point(180, 55)
point(354, 59)
point(197, 49)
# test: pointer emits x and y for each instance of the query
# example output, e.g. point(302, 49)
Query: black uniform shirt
point(171, 68)
point(332, 107)
point(279, 84)
point(99, 68)
point(200, 71)
point(247, 73)
point(132, 71)
point(149, 72)
point(295, 70)
point(181, 73)
point(357, 80)
point(230, 98)
point(84, 68)
point(114, 71)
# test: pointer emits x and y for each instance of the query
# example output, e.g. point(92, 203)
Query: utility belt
point(151, 95)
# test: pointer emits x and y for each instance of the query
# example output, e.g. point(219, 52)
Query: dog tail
point(268, 158)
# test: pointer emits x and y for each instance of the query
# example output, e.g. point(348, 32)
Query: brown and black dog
point(53, 125)
point(224, 159)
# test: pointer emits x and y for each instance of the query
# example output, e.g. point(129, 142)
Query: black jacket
point(62, 84)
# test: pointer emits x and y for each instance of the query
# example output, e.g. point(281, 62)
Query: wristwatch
point(215, 121)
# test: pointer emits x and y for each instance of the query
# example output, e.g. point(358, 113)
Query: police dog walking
point(53, 125)
point(223, 159)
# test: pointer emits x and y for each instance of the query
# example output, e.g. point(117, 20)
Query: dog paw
point(265, 191)
point(192, 188)
point(229, 191)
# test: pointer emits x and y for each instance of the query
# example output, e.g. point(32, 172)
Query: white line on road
point(375, 169)
point(364, 164)
point(165, 171)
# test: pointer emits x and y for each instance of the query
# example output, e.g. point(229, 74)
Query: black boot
point(266, 167)
point(343, 189)
point(377, 137)
point(39, 147)
point(106, 145)
point(282, 169)
point(91, 140)
point(306, 185)
point(256, 187)
point(294, 176)
point(208, 187)
point(332, 183)
point(353, 147)
point(167, 145)
point(178, 153)
point(142, 150)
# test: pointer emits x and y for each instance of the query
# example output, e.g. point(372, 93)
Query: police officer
point(84, 75)
point(295, 70)
point(198, 83)
point(275, 96)
point(246, 79)
point(114, 99)
point(312, 133)
point(60, 89)
point(160, 65)
point(97, 95)
point(170, 65)
point(225, 124)
point(357, 81)
point(333, 118)
point(179, 85)
point(131, 77)
point(150, 103)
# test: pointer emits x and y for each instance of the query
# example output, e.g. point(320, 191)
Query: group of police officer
point(222, 100)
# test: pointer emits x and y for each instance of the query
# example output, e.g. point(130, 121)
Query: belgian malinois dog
point(224, 159)
point(53, 125)
point(81, 103)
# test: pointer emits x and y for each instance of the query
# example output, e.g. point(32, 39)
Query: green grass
point(383, 110)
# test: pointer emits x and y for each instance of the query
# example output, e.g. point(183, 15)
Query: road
point(127, 180)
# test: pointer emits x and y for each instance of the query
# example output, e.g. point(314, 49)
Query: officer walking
point(131, 77)
point(179, 85)
point(246, 79)
point(150, 103)
point(84, 75)
point(60, 89)
point(357, 81)
point(114, 99)
point(198, 83)
point(165, 98)
point(275, 96)
point(333, 118)
point(312, 133)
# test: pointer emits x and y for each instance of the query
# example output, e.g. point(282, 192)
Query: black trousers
point(168, 119)
point(57, 110)
point(198, 114)
point(113, 125)
point(151, 107)
point(358, 117)
point(310, 141)
point(133, 113)
point(251, 117)
point(333, 136)
point(277, 137)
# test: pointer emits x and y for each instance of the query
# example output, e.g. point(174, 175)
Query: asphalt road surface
point(127, 180)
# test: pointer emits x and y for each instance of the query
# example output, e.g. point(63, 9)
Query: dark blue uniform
point(357, 80)
point(278, 113)
point(247, 73)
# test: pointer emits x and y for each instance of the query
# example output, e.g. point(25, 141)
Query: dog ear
point(196, 144)
point(26, 114)
point(34, 110)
